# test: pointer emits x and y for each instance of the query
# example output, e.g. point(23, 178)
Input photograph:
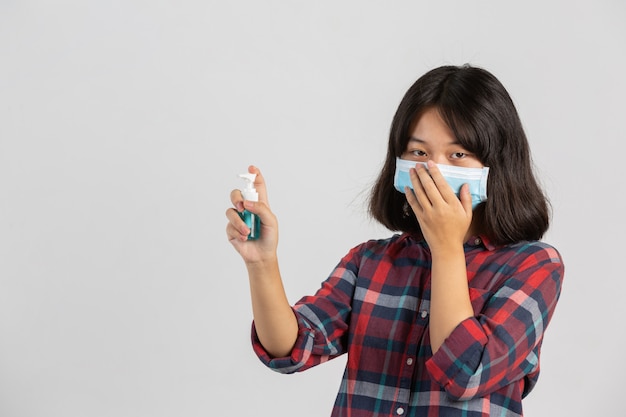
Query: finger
point(436, 185)
point(262, 211)
point(234, 235)
point(412, 200)
point(237, 199)
point(259, 183)
point(466, 198)
point(419, 178)
point(236, 227)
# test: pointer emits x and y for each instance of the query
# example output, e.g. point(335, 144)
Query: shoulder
point(374, 247)
point(537, 251)
point(533, 261)
point(397, 250)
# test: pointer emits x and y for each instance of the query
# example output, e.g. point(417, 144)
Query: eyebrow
point(422, 141)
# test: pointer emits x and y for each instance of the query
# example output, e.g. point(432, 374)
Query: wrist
point(263, 266)
point(447, 251)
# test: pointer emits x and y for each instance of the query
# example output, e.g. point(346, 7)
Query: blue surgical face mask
point(455, 176)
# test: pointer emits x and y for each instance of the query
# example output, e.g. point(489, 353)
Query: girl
point(447, 317)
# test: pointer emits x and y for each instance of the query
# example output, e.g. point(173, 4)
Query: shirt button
point(400, 411)
point(477, 241)
point(409, 361)
point(423, 314)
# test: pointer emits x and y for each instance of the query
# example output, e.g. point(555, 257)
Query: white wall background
point(123, 125)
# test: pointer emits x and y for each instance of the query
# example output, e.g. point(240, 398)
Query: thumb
point(262, 210)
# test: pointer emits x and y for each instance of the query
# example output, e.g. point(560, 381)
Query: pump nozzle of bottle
point(249, 193)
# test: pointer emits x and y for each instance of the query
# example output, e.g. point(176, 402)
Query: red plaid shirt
point(375, 307)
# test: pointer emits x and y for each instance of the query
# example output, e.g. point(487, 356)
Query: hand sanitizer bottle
point(249, 193)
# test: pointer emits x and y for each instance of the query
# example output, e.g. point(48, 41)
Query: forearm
point(275, 322)
point(450, 300)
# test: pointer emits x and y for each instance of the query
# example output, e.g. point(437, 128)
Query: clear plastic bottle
point(249, 193)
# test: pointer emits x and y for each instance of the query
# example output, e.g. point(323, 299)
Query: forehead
point(430, 129)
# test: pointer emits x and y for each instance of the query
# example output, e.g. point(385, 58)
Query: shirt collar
point(480, 239)
point(474, 240)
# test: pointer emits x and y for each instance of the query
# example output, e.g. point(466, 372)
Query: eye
point(418, 153)
point(459, 155)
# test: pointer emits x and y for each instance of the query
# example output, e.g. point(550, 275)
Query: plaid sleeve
point(322, 322)
point(300, 354)
point(501, 344)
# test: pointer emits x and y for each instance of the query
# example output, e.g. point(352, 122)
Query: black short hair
point(482, 116)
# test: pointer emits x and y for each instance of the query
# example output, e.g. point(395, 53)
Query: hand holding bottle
point(265, 241)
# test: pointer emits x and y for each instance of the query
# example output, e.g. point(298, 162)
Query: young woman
point(447, 317)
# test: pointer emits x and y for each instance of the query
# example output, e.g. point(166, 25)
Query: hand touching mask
point(454, 176)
